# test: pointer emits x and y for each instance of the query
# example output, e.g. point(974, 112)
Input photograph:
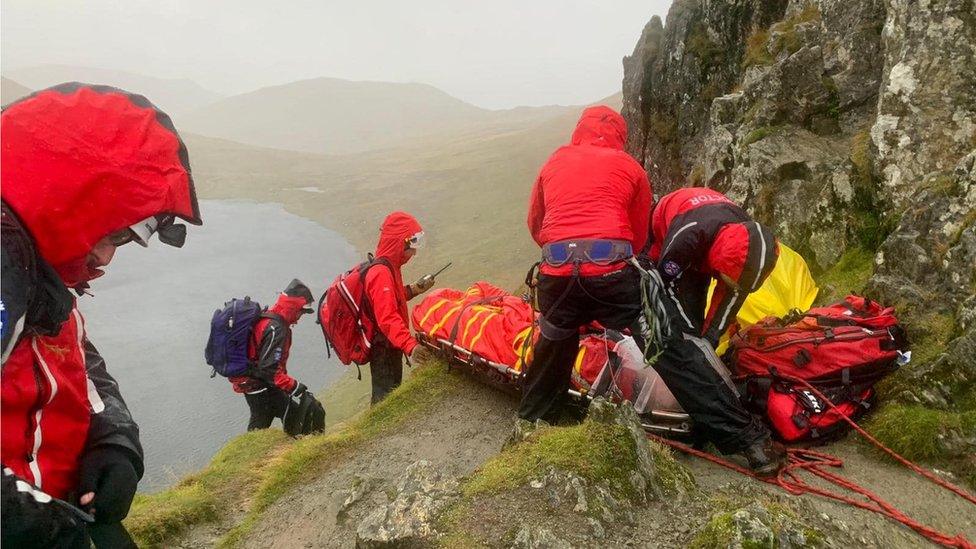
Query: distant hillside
point(11, 91)
point(333, 116)
point(175, 96)
point(470, 193)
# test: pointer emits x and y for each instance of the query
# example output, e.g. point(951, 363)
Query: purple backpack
point(231, 330)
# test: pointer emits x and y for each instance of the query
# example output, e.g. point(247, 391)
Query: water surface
point(150, 319)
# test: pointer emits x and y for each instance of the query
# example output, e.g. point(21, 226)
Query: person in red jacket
point(589, 212)
point(698, 235)
point(268, 389)
point(85, 169)
point(400, 238)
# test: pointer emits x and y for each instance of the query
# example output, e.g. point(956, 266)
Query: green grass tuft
point(156, 517)
point(759, 134)
point(757, 52)
point(594, 451)
point(915, 431)
point(849, 275)
point(763, 45)
point(261, 466)
point(930, 333)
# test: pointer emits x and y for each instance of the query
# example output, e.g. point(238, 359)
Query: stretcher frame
point(656, 422)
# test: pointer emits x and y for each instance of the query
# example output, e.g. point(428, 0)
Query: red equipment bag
point(842, 349)
point(346, 316)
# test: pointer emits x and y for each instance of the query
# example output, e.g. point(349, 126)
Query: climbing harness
point(584, 250)
point(819, 463)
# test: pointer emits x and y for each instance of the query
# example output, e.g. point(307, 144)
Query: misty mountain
point(469, 189)
point(11, 91)
point(175, 96)
point(329, 115)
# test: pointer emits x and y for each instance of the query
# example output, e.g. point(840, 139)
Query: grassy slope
point(469, 194)
point(257, 468)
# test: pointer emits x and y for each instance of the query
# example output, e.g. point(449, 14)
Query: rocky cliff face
point(847, 125)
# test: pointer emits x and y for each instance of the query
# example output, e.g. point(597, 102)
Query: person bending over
point(698, 235)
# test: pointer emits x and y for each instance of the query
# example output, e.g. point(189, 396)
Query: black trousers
point(567, 303)
point(697, 377)
point(265, 406)
point(385, 369)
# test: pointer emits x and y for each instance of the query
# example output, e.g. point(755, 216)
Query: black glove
point(31, 518)
point(109, 473)
point(299, 390)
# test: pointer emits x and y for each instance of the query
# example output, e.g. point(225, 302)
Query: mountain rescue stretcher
point(492, 333)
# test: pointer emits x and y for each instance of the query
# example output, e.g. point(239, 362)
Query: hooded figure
point(400, 238)
point(698, 235)
point(85, 169)
point(268, 389)
point(589, 212)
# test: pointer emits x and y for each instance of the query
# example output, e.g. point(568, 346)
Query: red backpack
point(346, 316)
point(842, 349)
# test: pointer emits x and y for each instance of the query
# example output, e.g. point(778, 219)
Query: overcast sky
point(493, 54)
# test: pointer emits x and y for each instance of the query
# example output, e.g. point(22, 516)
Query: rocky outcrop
point(847, 125)
point(757, 526)
point(408, 521)
point(657, 474)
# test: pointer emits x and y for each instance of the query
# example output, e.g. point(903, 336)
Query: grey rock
point(408, 521)
point(535, 537)
point(349, 497)
point(657, 475)
point(756, 526)
point(522, 430)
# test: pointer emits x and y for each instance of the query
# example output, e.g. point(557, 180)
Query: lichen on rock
point(408, 521)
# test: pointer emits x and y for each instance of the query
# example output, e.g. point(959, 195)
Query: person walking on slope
point(400, 238)
point(268, 389)
point(698, 235)
point(589, 212)
point(85, 169)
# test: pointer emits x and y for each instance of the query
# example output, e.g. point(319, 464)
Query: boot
point(766, 457)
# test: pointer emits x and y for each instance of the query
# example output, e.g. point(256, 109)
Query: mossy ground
point(594, 451)
point(849, 275)
point(196, 499)
point(259, 467)
point(600, 453)
point(918, 434)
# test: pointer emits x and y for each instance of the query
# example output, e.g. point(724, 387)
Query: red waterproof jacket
point(270, 346)
point(78, 163)
point(385, 288)
point(699, 234)
point(591, 188)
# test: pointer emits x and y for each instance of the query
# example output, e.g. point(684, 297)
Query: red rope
point(816, 463)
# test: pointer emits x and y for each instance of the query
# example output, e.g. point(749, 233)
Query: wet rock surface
point(408, 520)
point(849, 127)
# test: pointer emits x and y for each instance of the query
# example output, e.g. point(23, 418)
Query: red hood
point(396, 229)
point(80, 162)
point(600, 126)
point(288, 307)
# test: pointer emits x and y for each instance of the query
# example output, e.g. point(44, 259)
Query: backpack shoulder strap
point(273, 317)
point(364, 303)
